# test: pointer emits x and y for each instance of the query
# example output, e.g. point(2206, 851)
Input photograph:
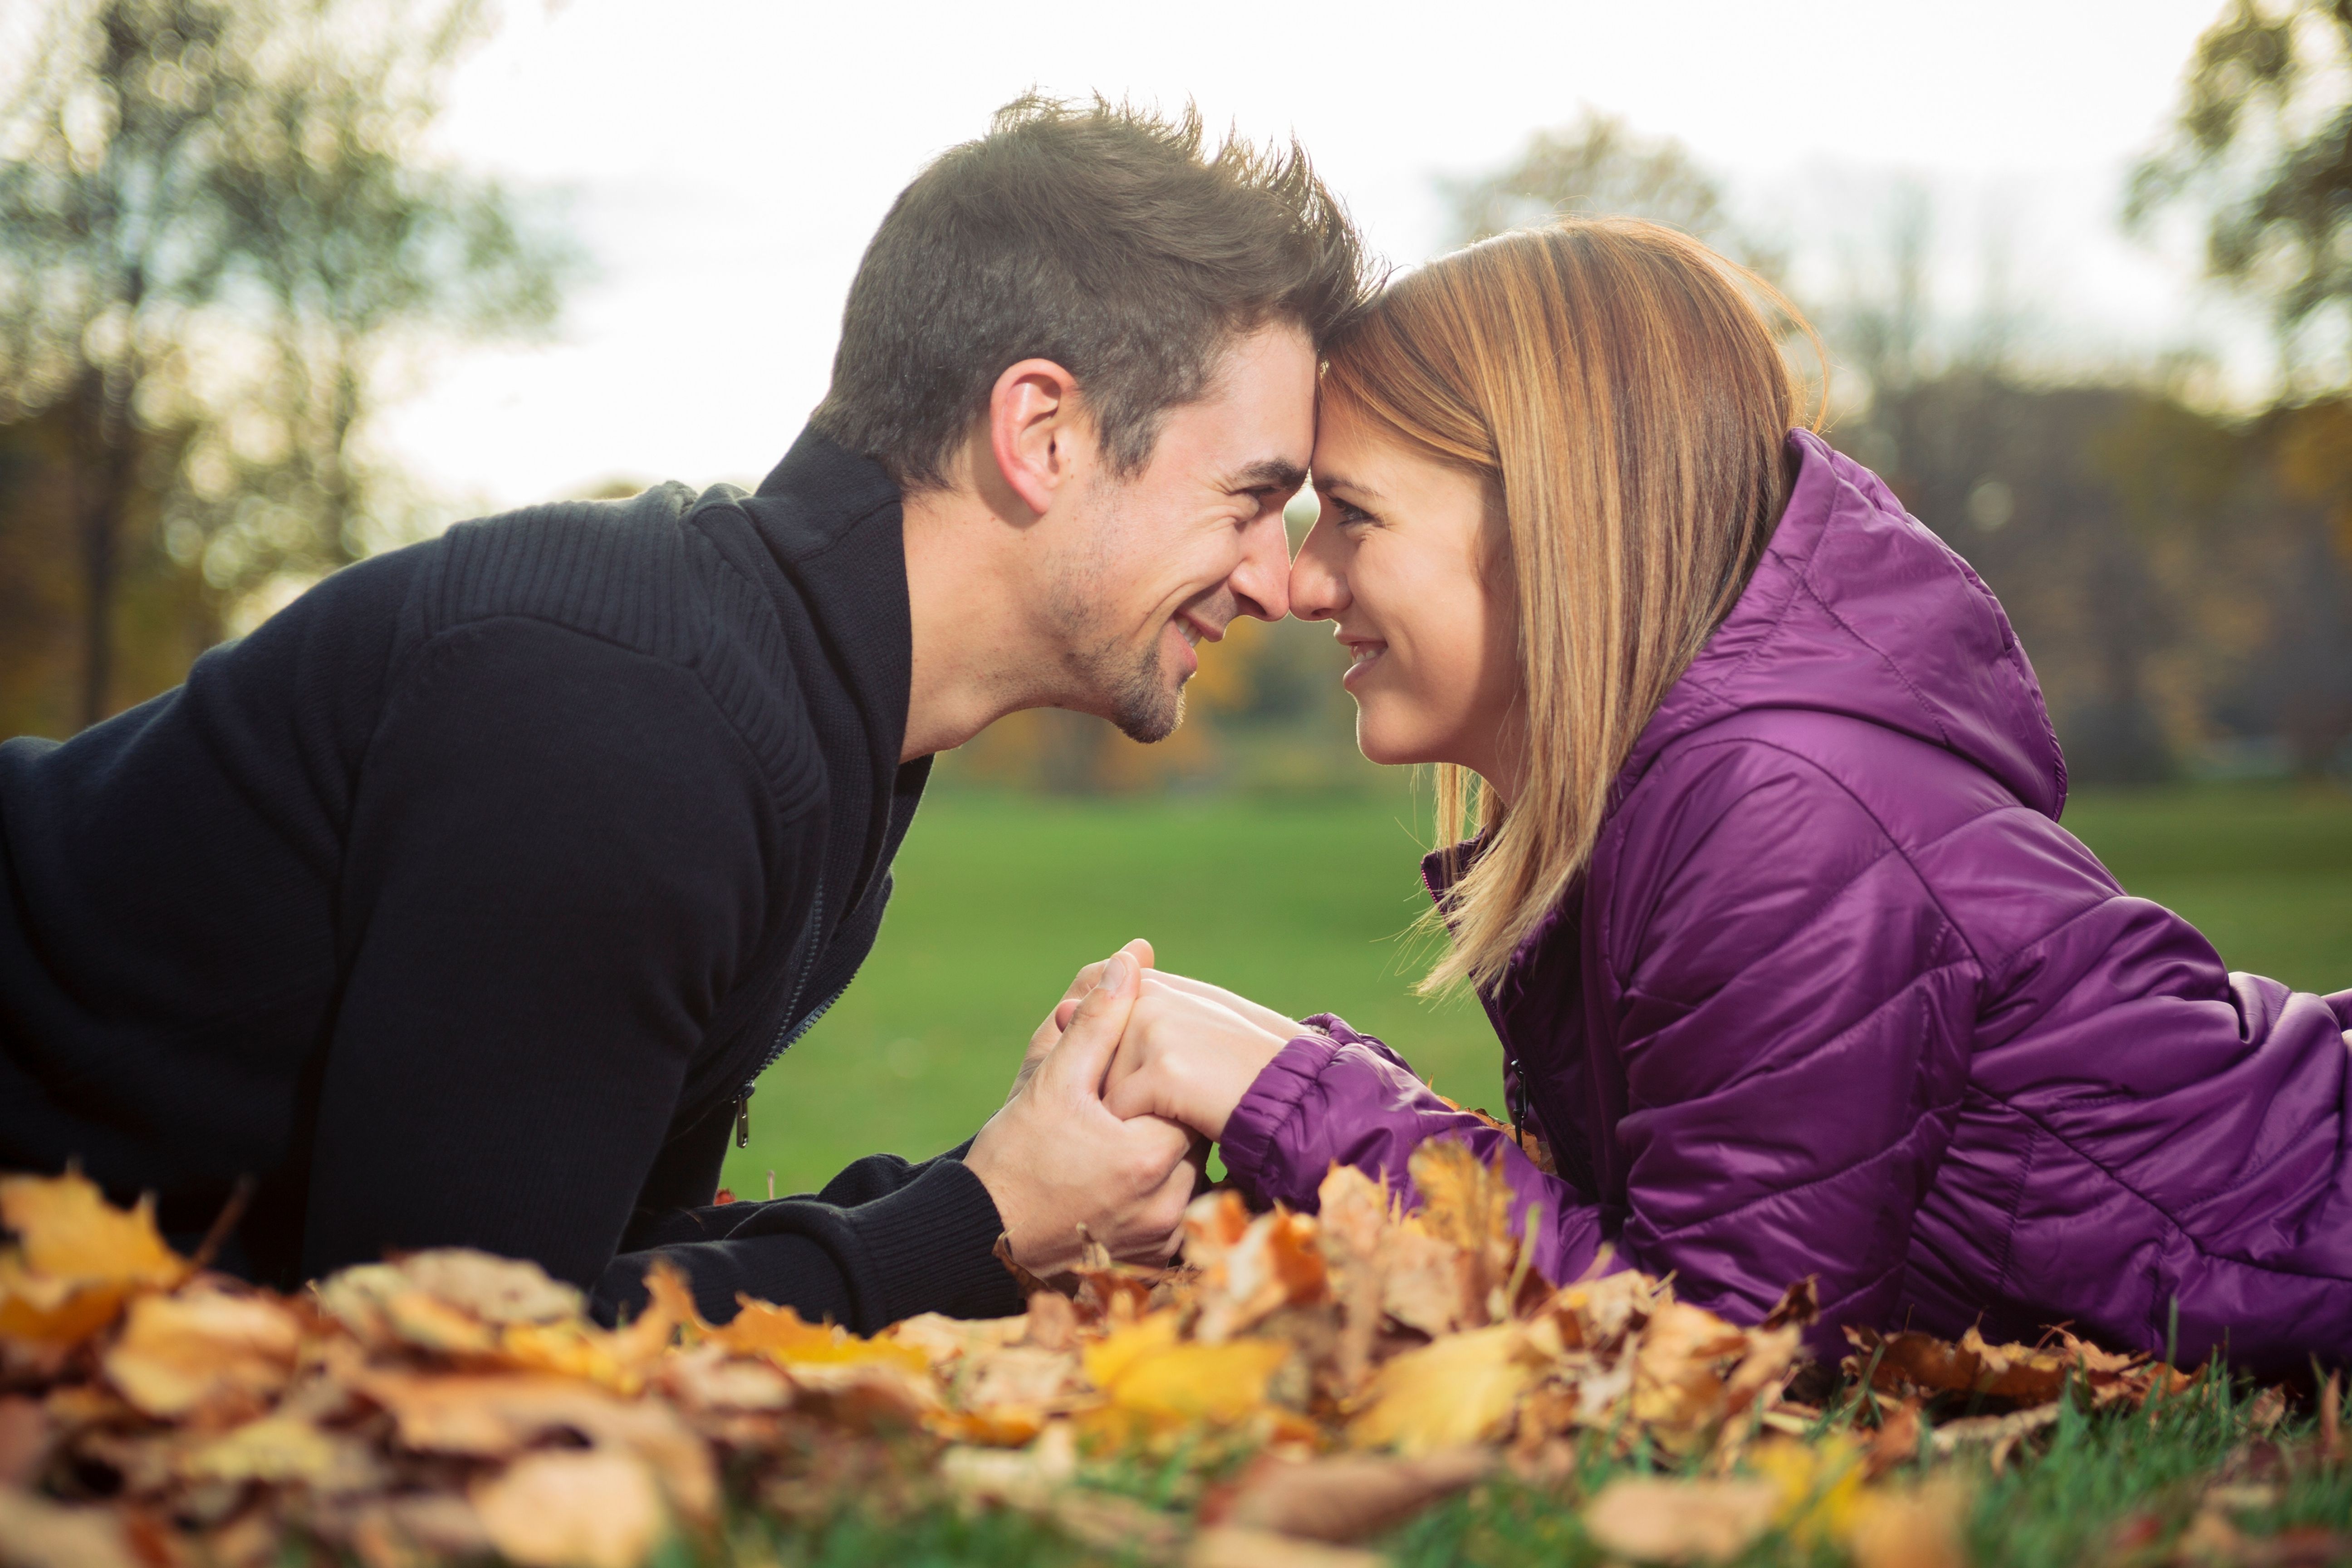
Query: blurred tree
point(2263, 153)
point(1600, 164)
point(216, 221)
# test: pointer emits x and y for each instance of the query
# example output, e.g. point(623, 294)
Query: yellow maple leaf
point(76, 1259)
point(1149, 1372)
point(1460, 1389)
point(785, 1338)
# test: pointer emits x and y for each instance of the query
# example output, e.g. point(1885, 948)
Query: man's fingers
point(1083, 1054)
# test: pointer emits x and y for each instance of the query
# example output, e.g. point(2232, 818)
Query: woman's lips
point(1361, 656)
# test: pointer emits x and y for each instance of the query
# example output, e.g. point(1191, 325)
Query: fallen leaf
point(573, 1510)
point(1345, 1497)
point(76, 1259)
point(37, 1533)
point(1654, 1520)
point(494, 1290)
point(1150, 1374)
point(1272, 1264)
point(203, 1353)
point(496, 1415)
point(282, 1449)
point(1426, 1282)
point(1233, 1546)
point(1466, 1202)
point(1896, 1441)
point(1917, 1528)
point(1455, 1390)
point(25, 1436)
point(1023, 1480)
point(1682, 1368)
point(784, 1337)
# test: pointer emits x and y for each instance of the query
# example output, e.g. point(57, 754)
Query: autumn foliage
point(1325, 1376)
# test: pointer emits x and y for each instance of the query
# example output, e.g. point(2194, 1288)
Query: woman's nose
point(1318, 591)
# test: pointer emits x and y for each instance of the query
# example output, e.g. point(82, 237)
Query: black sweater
point(460, 903)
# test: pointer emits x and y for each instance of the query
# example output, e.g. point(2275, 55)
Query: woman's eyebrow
point(1323, 481)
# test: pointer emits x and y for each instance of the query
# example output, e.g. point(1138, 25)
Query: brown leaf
point(1345, 1497)
point(1919, 1528)
point(25, 1437)
point(1682, 1367)
point(1233, 1546)
point(37, 1533)
point(1653, 1520)
point(1273, 1263)
point(1896, 1441)
point(1052, 1323)
point(1427, 1282)
point(204, 1354)
point(496, 1415)
point(573, 1510)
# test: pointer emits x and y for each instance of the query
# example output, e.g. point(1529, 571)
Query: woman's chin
point(1380, 745)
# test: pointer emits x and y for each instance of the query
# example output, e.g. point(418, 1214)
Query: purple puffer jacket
point(1839, 998)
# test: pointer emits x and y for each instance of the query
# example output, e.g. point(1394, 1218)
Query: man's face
point(1151, 565)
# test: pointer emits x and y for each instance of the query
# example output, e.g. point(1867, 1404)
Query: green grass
point(1301, 904)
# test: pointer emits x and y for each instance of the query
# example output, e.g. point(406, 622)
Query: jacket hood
point(1857, 609)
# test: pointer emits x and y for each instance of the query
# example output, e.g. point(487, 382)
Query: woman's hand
point(1189, 1056)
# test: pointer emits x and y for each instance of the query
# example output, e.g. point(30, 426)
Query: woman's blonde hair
point(1621, 390)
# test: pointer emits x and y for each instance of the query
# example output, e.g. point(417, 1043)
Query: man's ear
point(1038, 431)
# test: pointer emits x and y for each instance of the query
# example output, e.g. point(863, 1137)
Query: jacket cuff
point(931, 1247)
point(1254, 1133)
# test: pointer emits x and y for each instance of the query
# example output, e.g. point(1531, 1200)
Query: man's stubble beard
point(1125, 684)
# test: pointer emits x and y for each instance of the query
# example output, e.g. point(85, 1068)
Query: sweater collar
point(831, 522)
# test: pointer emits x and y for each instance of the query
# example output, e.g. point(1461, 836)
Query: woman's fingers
point(1264, 1017)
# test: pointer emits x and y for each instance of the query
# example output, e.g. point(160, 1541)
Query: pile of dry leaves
point(1325, 1376)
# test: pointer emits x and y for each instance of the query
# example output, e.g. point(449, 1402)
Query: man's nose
point(1261, 581)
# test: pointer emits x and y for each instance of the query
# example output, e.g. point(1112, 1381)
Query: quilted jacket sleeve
point(1341, 1097)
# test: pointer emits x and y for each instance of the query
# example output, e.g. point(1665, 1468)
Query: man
point(463, 901)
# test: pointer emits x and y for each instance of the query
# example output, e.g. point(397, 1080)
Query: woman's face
point(1407, 563)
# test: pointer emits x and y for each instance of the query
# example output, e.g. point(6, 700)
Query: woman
point(1795, 972)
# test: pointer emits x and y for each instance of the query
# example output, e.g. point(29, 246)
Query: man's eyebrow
point(1267, 474)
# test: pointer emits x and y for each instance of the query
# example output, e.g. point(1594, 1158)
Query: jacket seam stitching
point(1894, 844)
point(1846, 1169)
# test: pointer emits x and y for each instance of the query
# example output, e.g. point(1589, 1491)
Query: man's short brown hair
point(1100, 237)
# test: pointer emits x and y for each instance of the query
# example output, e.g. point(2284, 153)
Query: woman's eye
point(1349, 514)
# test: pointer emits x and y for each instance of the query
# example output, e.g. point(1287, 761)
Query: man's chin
point(1153, 721)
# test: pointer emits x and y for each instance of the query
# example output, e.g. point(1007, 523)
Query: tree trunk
point(105, 466)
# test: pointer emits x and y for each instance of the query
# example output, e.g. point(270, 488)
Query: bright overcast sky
point(728, 159)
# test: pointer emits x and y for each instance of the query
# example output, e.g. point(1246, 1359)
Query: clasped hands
point(1124, 1087)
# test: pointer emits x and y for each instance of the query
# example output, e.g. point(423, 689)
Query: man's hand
point(1190, 1057)
point(1054, 1159)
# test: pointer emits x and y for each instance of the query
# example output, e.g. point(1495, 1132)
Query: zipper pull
point(743, 1117)
point(1513, 1102)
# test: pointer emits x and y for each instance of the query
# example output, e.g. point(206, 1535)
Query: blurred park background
point(287, 283)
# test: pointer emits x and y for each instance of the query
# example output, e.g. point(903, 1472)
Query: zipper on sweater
point(789, 1033)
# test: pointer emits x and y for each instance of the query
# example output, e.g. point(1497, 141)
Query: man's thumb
point(1082, 1056)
